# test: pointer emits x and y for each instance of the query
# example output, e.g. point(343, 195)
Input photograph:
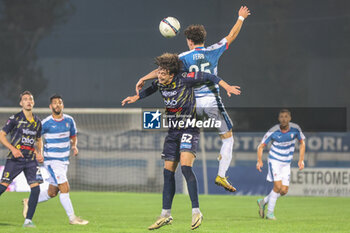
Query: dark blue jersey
point(23, 134)
point(178, 95)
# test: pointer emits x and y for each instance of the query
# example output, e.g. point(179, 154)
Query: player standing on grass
point(280, 156)
point(207, 95)
point(60, 134)
point(181, 143)
point(25, 131)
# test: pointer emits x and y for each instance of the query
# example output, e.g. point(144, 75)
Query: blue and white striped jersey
point(283, 143)
point(204, 60)
point(57, 135)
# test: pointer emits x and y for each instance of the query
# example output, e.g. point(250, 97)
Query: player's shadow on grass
point(6, 224)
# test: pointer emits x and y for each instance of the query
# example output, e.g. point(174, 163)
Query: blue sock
point(2, 189)
point(168, 189)
point(33, 201)
point(191, 185)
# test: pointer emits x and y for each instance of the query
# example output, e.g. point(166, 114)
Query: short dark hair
point(170, 62)
point(196, 33)
point(284, 110)
point(24, 93)
point(55, 96)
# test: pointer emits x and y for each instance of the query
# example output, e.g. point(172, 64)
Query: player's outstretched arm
point(301, 155)
point(141, 82)
point(243, 13)
point(230, 89)
point(130, 99)
point(259, 163)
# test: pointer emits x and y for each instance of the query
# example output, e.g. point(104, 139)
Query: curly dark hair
point(170, 62)
point(196, 33)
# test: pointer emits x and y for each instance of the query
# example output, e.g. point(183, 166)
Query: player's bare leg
point(165, 217)
point(186, 160)
point(225, 158)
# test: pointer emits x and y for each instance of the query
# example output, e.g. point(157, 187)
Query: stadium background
point(288, 54)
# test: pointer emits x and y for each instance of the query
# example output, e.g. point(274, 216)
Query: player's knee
point(277, 188)
point(52, 193)
point(226, 135)
point(284, 191)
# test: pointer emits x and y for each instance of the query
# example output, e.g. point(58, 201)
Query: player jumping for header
point(25, 130)
point(280, 156)
point(181, 143)
point(207, 95)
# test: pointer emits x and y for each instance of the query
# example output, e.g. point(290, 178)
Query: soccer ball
point(169, 27)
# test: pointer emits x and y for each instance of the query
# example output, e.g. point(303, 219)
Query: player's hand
point(259, 165)
point(130, 99)
point(139, 85)
point(301, 164)
point(244, 12)
point(39, 157)
point(75, 150)
point(17, 153)
point(233, 90)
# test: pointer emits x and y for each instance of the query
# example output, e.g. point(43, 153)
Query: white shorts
point(278, 171)
point(57, 170)
point(212, 107)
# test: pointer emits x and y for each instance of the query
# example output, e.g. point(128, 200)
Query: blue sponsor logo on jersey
point(151, 120)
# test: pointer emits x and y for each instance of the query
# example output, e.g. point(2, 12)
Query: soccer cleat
point(161, 221)
point(270, 216)
point(261, 207)
point(223, 182)
point(78, 221)
point(196, 220)
point(25, 207)
point(29, 224)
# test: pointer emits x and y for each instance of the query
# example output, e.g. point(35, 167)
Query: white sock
point(266, 199)
point(272, 201)
point(226, 156)
point(165, 213)
point(67, 205)
point(43, 196)
point(26, 221)
point(195, 211)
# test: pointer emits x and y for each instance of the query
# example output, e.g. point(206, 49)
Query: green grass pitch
point(134, 212)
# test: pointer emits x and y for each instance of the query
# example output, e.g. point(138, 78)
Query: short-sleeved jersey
point(283, 143)
point(178, 96)
point(23, 134)
point(204, 60)
point(57, 135)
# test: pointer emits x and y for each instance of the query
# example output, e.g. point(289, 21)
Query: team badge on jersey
point(151, 120)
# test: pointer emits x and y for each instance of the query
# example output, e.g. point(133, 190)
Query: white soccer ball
point(169, 27)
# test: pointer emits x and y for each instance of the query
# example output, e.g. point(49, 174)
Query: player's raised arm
point(141, 82)
point(243, 13)
point(259, 163)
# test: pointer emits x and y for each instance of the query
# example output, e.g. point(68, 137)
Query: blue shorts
point(14, 167)
point(180, 140)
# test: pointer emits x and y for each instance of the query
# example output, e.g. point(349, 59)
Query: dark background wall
point(288, 53)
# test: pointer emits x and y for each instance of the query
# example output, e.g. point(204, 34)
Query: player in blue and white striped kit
point(60, 133)
point(281, 152)
point(208, 99)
